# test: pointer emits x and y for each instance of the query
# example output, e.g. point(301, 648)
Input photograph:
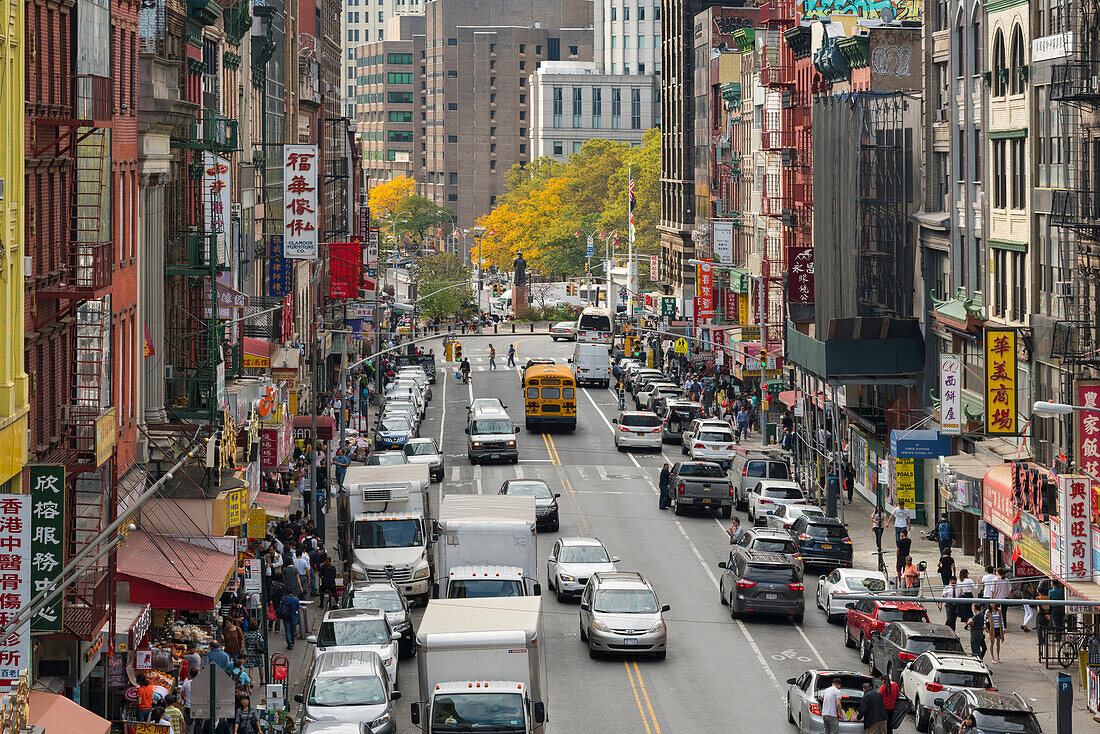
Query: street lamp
point(1045, 409)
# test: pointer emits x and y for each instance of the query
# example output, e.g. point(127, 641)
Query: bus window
point(551, 393)
point(532, 393)
point(567, 393)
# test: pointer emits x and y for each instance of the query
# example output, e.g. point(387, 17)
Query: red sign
point(275, 445)
point(998, 504)
point(288, 317)
point(729, 305)
point(344, 261)
point(704, 308)
point(800, 274)
point(1088, 428)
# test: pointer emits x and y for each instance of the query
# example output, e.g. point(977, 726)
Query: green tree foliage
point(442, 285)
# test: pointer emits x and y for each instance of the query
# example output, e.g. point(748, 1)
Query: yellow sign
point(256, 361)
point(743, 308)
point(681, 346)
point(106, 434)
point(236, 507)
point(294, 402)
point(905, 482)
point(1000, 382)
point(257, 523)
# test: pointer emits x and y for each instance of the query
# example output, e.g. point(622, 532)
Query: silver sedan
point(804, 700)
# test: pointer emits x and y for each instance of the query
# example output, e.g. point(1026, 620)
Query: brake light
point(730, 447)
point(798, 556)
point(800, 502)
point(698, 446)
point(731, 489)
point(846, 540)
point(796, 587)
point(991, 688)
point(744, 471)
point(878, 624)
point(681, 487)
point(624, 428)
point(933, 687)
point(745, 584)
point(766, 501)
point(906, 656)
point(804, 537)
point(815, 709)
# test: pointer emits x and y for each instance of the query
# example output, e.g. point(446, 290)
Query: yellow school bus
point(550, 397)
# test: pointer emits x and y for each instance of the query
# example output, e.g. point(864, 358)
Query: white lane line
point(477, 478)
point(740, 624)
point(470, 385)
point(456, 472)
point(443, 415)
point(608, 424)
point(519, 471)
point(811, 645)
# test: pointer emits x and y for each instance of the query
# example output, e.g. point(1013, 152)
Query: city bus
point(549, 397)
point(594, 326)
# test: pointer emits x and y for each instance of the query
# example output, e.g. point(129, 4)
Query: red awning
point(274, 505)
point(790, 397)
point(60, 715)
point(173, 574)
point(326, 425)
point(256, 347)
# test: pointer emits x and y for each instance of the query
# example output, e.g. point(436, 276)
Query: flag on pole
point(630, 205)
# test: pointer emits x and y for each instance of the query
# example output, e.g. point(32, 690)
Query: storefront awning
point(326, 426)
point(791, 397)
point(61, 715)
point(173, 574)
point(274, 505)
point(919, 444)
point(257, 353)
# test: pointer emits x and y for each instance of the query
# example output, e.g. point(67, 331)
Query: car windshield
point(397, 425)
point(1006, 721)
point(924, 644)
point(358, 691)
point(420, 449)
point(771, 574)
point(669, 390)
point(775, 545)
point(865, 584)
point(386, 459)
point(809, 511)
point(496, 712)
point(963, 679)
point(388, 534)
point(781, 493)
point(902, 615)
point(583, 554)
point(640, 421)
point(484, 588)
point(536, 489)
point(702, 470)
point(685, 414)
point(625, 601)
point(826, 532)
point(388, 600)
point(497, 427)
point(716, 436)
point(353, 632)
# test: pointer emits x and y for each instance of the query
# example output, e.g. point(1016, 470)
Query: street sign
point(668, 307)
point(681, 346)
point(590, 251)
point(622, 294)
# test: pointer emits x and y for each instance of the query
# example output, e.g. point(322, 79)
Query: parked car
point(546, 502)
point(868, 617)
point(638, 429)
point(938, 675)
point(754, 465)
point(424, 451)
point(901, 642)
point(833, 587)
point(679, 414)
point(784, 515)
point(572, 561)
point(644, 378)
point(644, 399)
point(386, 596)
point(358, 629)
point(417, 375)
point(701, 484)
point(765, 540)
point(349, 685)
point(822, 540)
point(762, 583)
point(566, 330)
point(620, 613)
point(392, 432)
point(804, 699)
point(710, 441)
point(768, 494)
point(994, 713)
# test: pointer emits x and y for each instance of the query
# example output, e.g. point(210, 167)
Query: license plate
point(771, 597)
point(494, 456)
point(826, 546)
point(630, 641)
point(705, 501)
point(640, 433)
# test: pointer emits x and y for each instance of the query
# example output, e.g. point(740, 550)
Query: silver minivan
point(350, 685)
point(490, 434)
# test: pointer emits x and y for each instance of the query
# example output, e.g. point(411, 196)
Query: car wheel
point(790, 717)
point(733, 609)
point(556, 526)
point(848, 641)
point(678, 509)
point(864, 650)
point(584, 635)
point(722, 596)
point(618, 447)
point(515, 460)
point(559, 596)
point(471, 458)
point(922, 716)
point(661, 655)
point(683, 450)
point(798, 618)
point(871, 663)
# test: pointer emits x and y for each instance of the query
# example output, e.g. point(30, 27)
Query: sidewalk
point(1020, 670)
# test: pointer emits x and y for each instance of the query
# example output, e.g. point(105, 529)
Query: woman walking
point(878, 524)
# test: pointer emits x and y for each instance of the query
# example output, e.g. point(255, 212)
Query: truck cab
point(484, 582)
point(473, 706)
point(486, 547)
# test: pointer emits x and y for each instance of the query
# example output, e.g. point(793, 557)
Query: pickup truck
point(700, 484)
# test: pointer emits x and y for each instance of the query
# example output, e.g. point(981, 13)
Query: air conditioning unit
point(941, 115)
point(1063, 289)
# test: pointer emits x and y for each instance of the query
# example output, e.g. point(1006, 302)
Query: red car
point(865, 617)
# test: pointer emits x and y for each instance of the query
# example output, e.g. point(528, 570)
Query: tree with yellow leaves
point(386, 198)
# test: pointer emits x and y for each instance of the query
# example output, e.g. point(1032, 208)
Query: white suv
point(938, 675)
point(769, 494)
point(710, 441)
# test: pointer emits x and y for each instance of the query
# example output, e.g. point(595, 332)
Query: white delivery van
point(592, 364)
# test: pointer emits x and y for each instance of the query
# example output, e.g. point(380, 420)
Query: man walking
point(341, 462)
point(904, 546)
point(945, 533)
point(901, 521)
point(511, 355)
point(662, 487)
point(290, 608)
point(830, 708)
point(872, 711)
point(492, 357)
point(976, 625)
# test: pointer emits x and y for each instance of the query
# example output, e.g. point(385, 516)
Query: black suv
point(901, 642)
point(756, 582)
point(822, 540)
point(677, 415)
point(994, 712)
point(766, 540)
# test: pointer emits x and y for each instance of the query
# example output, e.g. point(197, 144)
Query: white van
point(490, 434)
point(592, 364)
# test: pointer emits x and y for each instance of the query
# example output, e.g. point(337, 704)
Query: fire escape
point(196, 255)
point(798, 165)
point(777, 145)
point(1075, 83)
point(83, 284)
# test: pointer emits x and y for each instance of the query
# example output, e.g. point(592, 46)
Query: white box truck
point(481, 667)
point(485, 547)
point(592, 364)
point(385, 516)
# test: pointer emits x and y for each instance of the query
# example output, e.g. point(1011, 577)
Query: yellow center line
point(549, 451)
point(656, 726)
point(638, 699)
point(553, 448)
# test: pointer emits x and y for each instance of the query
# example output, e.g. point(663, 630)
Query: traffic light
point(447, 351)
point(458, 351)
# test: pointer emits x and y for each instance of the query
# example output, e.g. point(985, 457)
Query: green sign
point(47, 483)
point(668, 306)
point(739, 281)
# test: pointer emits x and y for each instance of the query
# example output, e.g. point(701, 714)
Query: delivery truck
point(481, 667)
point(485, 547)
point(386, 528)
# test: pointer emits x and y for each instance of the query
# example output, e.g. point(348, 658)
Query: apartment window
point(577, 146)
point(395, 77)
point(1000, 174)
point(641, 12)
point(1019, 173)
point(578, 107)
point(616, 108)
point(452, 138)
point(452, 105)
point(523, 148)
point(1000, 71)
point(523, 48)
point(523, 132)
point(559, 104)
point(522, 98)
point(635, 109)
point(401, 116)
point(399, 97)
point(452, 41)
point(626, 41)
point(452, 197)
point(978, 173)
point(614, 66)
point(656, 12)
point(523, 82)
point(626, 69)
point(452, 74)
point(626, 13)
point(492, 147)
point(1017, 85)
point(557, 147)
point(614, 43)
point(399, 58)
point(574, 50)
point(492, 48)
point(977, 40)
point(492, 132)
point(641, 41)
point(381, 34)
point(399, 136)
point(453, 178)
point(523, 114)
point(523, 66)
point(641, 68)
point(614, 13)
point(597, 107)
point(492, 165)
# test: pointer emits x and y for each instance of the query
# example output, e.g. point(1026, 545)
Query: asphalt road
point(720, 674)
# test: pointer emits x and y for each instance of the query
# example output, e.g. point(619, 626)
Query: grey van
point(758, 582)
point(752, 465)
point(347, 685)
point(490, 434)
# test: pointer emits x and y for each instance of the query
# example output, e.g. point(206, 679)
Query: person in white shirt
point(830, 708)
point(901, 520)
point(964, 589)
point(988, 582)
point(951, 591)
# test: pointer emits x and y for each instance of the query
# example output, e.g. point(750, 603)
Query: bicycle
point(881, 562)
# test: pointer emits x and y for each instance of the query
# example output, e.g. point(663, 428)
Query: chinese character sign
point(1088, 427)
point(950, 395)
point(1000, 382)
point(729, 306)
point(370, 256)
point(215, 196)
point(281, 276)
point(654, 268)
point(15, 583)
point(1075, 517)
point(704, 280)
point(47, 552)
point(800, 276)
point(344, 260)
point(300, 194)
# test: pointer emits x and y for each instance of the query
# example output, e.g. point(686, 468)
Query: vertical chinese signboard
point(1088, 427)
point(15, 583)
point(950, 395)
point(654, 268)
point(1075, 517)
point(729, 305)
point(1000, 382)
point(47, 483)
point(704, 301)
point(800, 280)
point(216, 204)
point(344, 261)
point(370, 255)
point(281, 276)
point(300, 202)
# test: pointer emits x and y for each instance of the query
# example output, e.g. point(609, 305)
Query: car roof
point(957, 661)
point(822, 520)
point(343, 615)
point(858, 572)
point(372, 585)
point(925, 629)
point(683, 404)
point(770, 533)
point(524, 480)
point(581, 540)
point(785, 483)
point(898, 604)
point(636, 412)
point(770, 558)
point(620, 579)
point(995, 700)
point(698, 463)
point(337, 662)
point(413, 441)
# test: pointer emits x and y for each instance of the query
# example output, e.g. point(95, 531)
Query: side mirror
point(467, 431)
point(298, 698)
point(790, 681)
point(666, 608)
point(721, 564)
point(937, 701)
point(537, 589)
point(552, 559)
point(850, 605)
point(585, 606)
point(395, 695)
point(395, 636)
point(614, 559)
point(312, 639)
point(821, 578)
point(615, 421)
point(539, 712)
point(556, 496)
point(414, 713)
